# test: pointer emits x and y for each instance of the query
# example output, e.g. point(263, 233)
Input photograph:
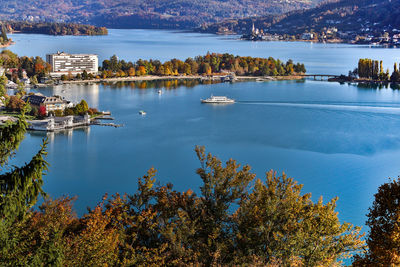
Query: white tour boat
point(218, 100)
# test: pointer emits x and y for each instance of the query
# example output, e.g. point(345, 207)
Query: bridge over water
point(320, 76)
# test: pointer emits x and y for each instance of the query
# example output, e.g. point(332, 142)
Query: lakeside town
point(388, 38)
point(50, 113)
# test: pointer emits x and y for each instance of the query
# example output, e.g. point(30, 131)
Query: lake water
point(337, 140)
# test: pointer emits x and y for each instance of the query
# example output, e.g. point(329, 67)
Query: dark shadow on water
point(375, 85)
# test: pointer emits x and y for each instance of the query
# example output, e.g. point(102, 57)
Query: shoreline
point(8, 44)
point(189, 77)
point(324, 41)
point(361, 81)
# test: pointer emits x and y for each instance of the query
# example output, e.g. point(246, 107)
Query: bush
point(81, 108)
point(58, 113)
point(92, 111)
point(69, 112)
point(15, 103)
point(34, 111)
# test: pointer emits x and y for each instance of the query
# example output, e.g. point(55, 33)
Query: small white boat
point(142, 112)
point(159, 92)
point(217, 100)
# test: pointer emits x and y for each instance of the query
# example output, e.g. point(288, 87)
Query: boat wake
point(362, 107)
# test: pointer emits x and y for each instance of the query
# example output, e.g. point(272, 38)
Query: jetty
point(95, 122)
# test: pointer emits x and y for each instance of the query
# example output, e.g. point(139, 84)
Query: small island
point(370, 71)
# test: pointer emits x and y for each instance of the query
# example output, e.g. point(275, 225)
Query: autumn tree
point(93, 241)
point(276, 223)
point(3, 91)
point(15, 103)
point(384, 223)
point(81, 108)
point(41, 236)
point(222, 189)
point(395, 77)
point(231, 222)
point(42, 111)
point(208, 64)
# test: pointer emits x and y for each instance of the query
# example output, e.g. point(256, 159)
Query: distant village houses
point(307, 36)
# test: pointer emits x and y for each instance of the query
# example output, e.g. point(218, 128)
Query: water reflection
point(158, 84)
point(66, 134)
point(75, 92)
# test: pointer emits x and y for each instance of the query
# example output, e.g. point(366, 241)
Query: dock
point(107, 124)
point(59, 123)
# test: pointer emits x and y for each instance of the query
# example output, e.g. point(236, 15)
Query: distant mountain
point(345, 15)
point(184, 14)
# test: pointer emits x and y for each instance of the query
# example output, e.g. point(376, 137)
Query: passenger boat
point(142, 112)
point(218, 100)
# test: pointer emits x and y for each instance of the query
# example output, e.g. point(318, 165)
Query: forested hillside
point(346, 15)
point(145, 14)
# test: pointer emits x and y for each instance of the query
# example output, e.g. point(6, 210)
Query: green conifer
point(4, 33)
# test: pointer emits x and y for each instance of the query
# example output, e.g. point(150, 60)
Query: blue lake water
point(337, 140)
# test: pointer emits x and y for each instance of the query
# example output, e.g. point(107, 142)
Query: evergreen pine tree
point(20, 187)
point(4, 33)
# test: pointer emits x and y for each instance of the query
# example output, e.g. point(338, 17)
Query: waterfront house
point(51, 103)
point(307, 36)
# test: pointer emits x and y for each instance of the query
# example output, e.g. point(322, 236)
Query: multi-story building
point(64, 63)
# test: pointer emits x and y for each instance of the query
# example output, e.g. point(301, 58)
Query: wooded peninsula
point(200, 66)
point(53, 28)
point(209, 64)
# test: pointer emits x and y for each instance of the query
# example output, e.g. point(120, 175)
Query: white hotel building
point(63, 63)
